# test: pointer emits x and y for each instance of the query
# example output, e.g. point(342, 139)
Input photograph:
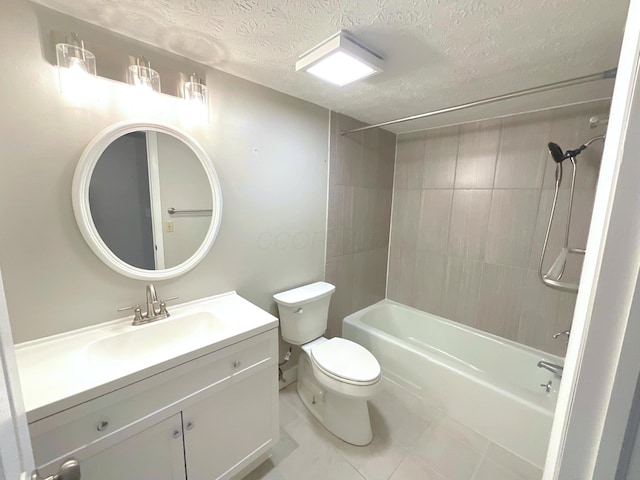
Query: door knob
point(69, 470)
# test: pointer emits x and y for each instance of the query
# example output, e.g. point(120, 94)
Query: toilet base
point(347, 418)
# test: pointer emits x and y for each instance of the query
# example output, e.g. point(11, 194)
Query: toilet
point(336, 377)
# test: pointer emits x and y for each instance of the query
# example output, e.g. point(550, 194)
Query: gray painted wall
point(270, 152)
point(470, 208)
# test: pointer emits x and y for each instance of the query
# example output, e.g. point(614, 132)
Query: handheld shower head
point(556, 152)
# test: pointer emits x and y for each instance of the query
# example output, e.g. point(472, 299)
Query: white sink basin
point(172, 336)
point(71, 368)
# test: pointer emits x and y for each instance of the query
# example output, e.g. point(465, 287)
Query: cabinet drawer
point(109, 419)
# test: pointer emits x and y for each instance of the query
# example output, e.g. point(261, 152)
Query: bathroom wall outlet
point(169, 226)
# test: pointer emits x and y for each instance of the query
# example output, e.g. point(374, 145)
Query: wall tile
point(369, 279)
point(428, 278)
point(477, 154)
point(336, 200)
point(409, 160)
point(361, 170)
point(435, 212)
point(363, 218)
point(382, 218)
point(334, 242)
point(512, 222)
point(441, 151)
point(545, 311)
point(386, 159)
point(371, 158)
point(469, 221)
point(461, 290)
point(340, 274)
point(348, 227)
point(523, 151)
point(402, 286)
point(406, 218)
point(500, 301)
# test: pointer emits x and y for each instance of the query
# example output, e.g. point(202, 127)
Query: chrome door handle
point(69, 470)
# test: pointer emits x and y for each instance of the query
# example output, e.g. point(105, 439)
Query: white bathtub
point(486, 382)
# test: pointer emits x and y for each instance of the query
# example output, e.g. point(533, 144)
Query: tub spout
point(552, 367)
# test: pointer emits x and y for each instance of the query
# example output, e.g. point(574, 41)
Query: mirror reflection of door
point(136, 180)
point(121, 203)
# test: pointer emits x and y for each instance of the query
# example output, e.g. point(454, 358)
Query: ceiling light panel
point(340, 60)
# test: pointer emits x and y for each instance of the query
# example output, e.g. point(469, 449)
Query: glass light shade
point(76, 58)
point(340, 68)
point(195, 92)
point(143, 77)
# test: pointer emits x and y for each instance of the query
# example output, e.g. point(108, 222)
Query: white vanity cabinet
point(212, 417)
point(223, 430)
point(155, 453)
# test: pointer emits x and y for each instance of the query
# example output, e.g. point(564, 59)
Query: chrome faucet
point(152, 299)
point(552, 367)
point(152, 312)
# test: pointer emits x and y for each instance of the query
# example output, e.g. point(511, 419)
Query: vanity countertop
point(64, 370)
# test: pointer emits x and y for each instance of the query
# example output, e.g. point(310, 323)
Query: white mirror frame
point(82, 210)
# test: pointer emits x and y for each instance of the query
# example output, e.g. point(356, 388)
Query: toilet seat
point(346, 361)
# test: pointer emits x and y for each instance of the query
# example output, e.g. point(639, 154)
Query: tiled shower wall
point(470, 208)
point(360, 190)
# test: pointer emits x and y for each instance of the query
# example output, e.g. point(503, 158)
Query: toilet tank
point(304, 312)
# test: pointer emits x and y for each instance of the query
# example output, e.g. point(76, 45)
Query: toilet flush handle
point(299, 311)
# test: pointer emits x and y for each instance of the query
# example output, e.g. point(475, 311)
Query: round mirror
point(147, 200)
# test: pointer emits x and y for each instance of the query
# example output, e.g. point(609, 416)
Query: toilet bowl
point(336, 376)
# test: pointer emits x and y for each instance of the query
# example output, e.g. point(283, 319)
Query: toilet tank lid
point(304, 294)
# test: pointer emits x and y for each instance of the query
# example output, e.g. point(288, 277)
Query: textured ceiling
point(437, 52)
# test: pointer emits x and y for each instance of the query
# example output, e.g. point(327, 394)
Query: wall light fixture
point(76, 66)
point(340, 59)
point(143, 76)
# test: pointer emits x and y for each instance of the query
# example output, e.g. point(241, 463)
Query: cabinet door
point(155, 453)
point(233, 427)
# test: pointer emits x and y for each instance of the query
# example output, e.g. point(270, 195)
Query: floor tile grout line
point(482, 459)
point(406, 454)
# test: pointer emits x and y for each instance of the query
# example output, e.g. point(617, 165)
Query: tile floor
point(411, 442)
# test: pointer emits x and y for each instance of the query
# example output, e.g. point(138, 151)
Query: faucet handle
point(163, 306)
point(137, 313)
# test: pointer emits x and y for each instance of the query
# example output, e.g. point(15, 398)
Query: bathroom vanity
point(194, 396)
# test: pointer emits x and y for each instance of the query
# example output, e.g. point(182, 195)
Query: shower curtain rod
point(520, 93)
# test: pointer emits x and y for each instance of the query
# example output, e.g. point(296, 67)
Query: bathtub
point(490, 384)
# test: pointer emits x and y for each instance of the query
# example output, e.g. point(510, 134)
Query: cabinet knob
point(103, 425)
point(236, 364)
point(177, 433)
point(190, 425)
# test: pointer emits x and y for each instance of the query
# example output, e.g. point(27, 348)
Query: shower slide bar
point(175, 211)
point(553, 278)
point(520, 93)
